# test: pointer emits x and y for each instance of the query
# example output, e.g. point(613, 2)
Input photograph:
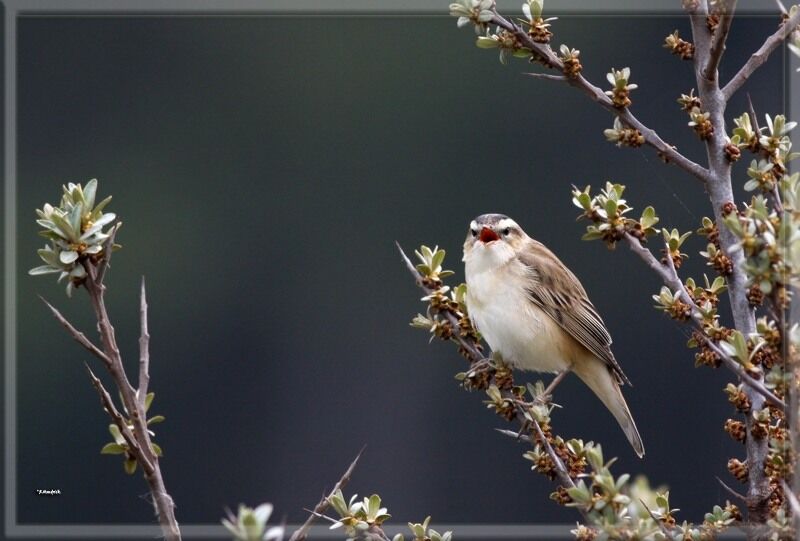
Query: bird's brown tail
point(599, 379)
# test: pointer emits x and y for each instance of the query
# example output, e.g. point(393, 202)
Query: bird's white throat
point(482, 257)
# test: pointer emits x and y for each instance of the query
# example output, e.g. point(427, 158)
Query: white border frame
point(165, 8)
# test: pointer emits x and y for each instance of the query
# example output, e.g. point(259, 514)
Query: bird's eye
point(506, 231)
point(474, 232)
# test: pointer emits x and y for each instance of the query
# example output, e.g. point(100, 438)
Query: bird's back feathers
point(559, 294)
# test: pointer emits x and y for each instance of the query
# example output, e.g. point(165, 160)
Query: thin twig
point(650, 260)
point(514, 435)
point(669, 276)
point(546, 54)
point(734, 366)
point(373, 533)
point(561, 470)
point(661, 525)
point(718, 40)
point(556, 380)
point(302, 532)
point(753, 117)
point(144, 348)
point(77, 335)
point(749, 380)
point(761, 55)
point(731, 491)
point(547, 76)
point(119, 420)
point(468, 346)
point(108, 247)
point(162, 501)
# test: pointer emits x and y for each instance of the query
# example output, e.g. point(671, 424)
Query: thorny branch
point(720, 36)
point(77, 335)
point(302, 532)
point(144, 348)
point(669, 276)
point(545, 53)
point(761, 55)
point(108, 248)
point(139, 438)
point(119, 420)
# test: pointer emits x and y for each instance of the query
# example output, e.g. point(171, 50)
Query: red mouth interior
point(487, 235)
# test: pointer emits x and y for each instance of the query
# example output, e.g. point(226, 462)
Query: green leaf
point(116, 434)
point(156, 449)
point(156, 419)
point(438, 259)
point(68, 256)
point(592, 234)
point(89, 192)
point(374, 504)
point(64, 227)
point(649, 218)
point(611, 207)
point(43, 269)
point(98, 210)
point(148, 400)
point(130, 466)
point(48, 256)
point(112, 449)
point(487, 43)
point(74, 218)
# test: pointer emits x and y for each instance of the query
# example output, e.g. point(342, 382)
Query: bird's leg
point(553, 384)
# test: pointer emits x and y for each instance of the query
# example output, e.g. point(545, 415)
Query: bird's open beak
point(488, 235)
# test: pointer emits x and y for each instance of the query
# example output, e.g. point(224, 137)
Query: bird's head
point(494, 237)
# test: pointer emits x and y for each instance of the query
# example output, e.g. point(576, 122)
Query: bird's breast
point(512, 325)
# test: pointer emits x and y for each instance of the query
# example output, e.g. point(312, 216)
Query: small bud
point(736, 429)
point(701, 122)
point(738, 469)
point(678, 46)
point(572, 64)
point(689, 101)
point(732, 152)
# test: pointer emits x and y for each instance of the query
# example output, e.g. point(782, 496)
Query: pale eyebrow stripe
point(506, 222)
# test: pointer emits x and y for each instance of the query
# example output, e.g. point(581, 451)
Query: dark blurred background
point(264, 167)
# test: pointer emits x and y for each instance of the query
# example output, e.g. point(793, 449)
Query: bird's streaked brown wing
point(555, 290)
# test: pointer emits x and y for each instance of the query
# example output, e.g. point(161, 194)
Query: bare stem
point(77, 335)
point(108, 248)
point(547, 76)
point(661, 525)
point(720, 36)
point(669, 276)
point(731, 491)
point(138, 439)
point(144, 348)
point(119, 420)
point(162, 501)
point(761, 55)
point(302, 532)
point(546, 54)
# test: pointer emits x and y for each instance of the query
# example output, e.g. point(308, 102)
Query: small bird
point(535, 314)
